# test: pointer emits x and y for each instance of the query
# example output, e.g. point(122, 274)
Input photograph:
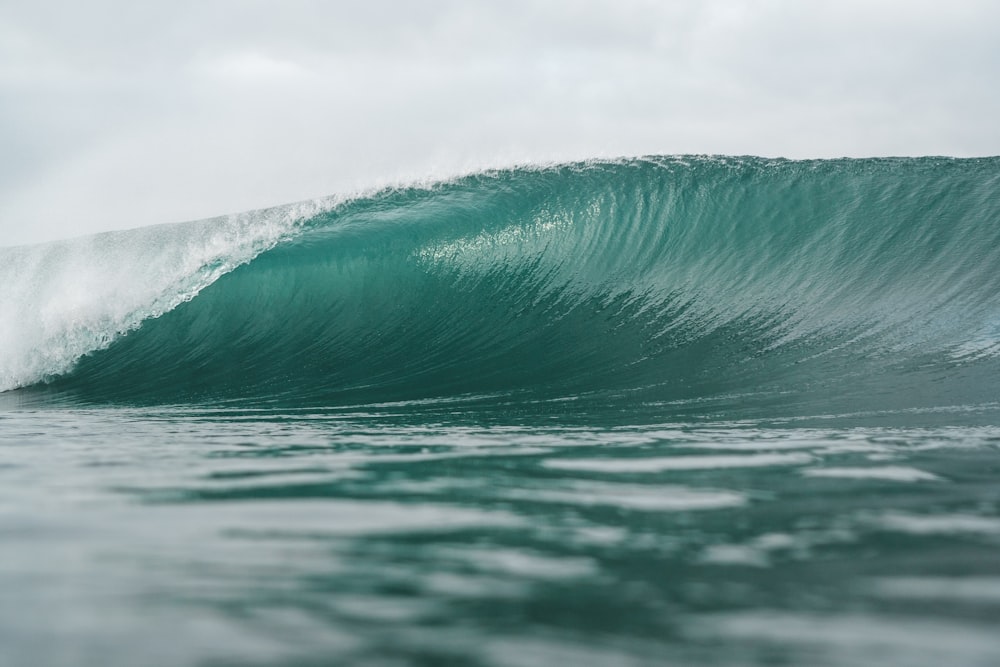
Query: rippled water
point(663, 410)
point(187, 537)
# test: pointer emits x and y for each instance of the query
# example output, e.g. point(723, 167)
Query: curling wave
point(734, 285)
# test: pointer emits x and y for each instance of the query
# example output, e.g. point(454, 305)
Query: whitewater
point(659, 410)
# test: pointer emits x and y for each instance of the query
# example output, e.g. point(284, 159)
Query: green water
point(681, 411)
point(180, 537)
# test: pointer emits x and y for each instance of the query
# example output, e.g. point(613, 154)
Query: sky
point(120, 114)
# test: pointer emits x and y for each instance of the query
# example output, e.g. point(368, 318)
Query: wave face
point(723, 286)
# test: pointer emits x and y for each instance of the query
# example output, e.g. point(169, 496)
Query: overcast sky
point(121, 114)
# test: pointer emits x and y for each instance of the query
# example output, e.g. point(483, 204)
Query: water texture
point(685, 410)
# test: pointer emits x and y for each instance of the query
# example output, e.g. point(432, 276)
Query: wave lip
point(63, 300)
point(770, 285)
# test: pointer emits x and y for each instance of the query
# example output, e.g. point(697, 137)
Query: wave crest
point(767, 285)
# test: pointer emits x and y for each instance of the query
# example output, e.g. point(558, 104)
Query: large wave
point(668, 284)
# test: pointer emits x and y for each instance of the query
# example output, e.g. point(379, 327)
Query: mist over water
point(668, 410)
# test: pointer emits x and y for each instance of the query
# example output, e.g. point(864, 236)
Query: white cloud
point(254, 68)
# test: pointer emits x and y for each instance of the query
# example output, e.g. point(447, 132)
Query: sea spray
point(62, 300)
point(712, 411)
point(748, 285)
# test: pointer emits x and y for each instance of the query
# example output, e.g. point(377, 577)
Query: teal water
point(720, 411)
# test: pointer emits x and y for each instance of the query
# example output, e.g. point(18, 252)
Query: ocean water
point(667, 410)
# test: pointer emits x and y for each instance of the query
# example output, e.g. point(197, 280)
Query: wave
point(735, 285)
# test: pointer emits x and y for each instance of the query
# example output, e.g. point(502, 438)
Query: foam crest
point(738, 286)
point(62, 300)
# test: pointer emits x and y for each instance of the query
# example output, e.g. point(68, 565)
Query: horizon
point(118, 117)
point(426, 182)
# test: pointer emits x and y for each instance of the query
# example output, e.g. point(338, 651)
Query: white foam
point(663, 463)
point(889, 473)
point(856, 639)
point(636, 497)
point(519, 562)
point(756, 445)
point(61, 300)
point(978, 590)
point(932, 524)
point(734, 554)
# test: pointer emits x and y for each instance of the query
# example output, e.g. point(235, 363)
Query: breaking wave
point(736, 286)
